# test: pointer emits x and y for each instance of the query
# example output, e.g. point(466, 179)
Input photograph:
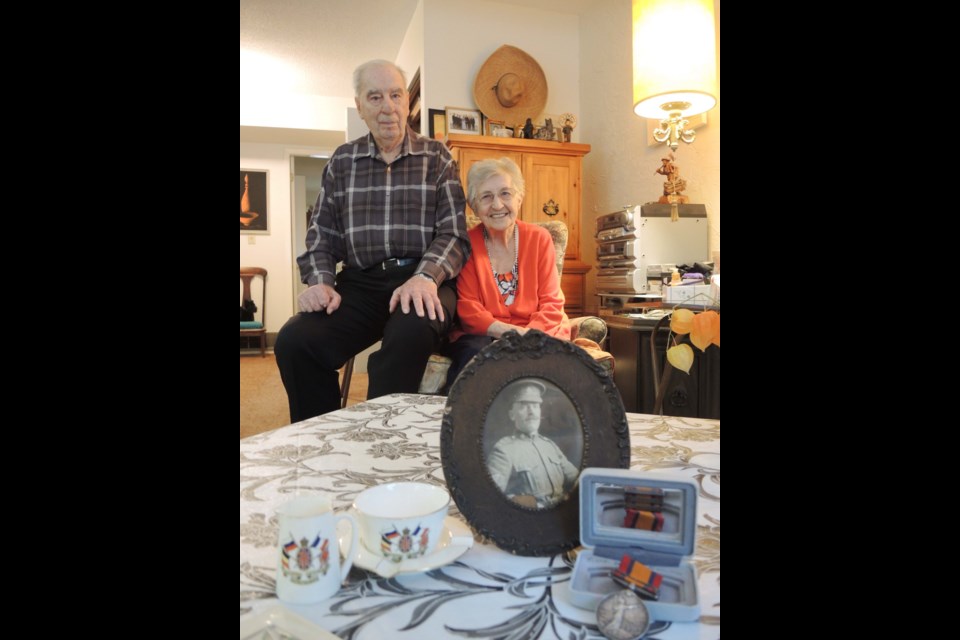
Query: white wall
point(460, 35)
point(410, 57)
point(273, 251)
point(293, 111)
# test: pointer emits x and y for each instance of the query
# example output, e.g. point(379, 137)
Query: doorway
point(307, 174)
point(307, 179)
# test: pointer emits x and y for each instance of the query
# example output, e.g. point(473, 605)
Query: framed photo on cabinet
point(496, 127)
point(466, 121)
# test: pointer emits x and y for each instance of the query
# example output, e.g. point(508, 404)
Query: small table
point(485, 593)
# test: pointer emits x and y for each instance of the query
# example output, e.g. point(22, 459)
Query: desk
point(694, 394)
point(487, 592)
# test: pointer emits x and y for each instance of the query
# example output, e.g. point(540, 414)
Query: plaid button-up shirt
point(369, 211)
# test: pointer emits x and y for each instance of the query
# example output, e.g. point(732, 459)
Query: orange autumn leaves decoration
point(704, 330)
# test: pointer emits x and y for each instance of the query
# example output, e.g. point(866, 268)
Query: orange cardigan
point(539, 300)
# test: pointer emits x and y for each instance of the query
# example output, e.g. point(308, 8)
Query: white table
point(487, 592)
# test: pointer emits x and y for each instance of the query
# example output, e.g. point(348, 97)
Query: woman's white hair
point(482, 171)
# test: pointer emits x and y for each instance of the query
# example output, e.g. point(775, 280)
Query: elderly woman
point(510, 281)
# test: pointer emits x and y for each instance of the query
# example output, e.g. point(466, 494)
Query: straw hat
point(510, 86)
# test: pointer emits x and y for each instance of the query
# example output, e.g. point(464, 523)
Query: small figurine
point(528, 129)
point(568, 121)
point(548, 125)
point(673, 187)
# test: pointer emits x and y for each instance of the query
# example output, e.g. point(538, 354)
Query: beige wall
point(621, 168)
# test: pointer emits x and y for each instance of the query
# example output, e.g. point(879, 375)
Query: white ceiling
point(331, 37)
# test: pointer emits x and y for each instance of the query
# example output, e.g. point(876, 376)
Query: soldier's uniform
point(531, 465)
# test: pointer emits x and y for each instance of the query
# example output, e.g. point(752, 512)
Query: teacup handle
point(351, 551)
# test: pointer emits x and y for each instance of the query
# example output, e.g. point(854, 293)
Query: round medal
point(623, 616)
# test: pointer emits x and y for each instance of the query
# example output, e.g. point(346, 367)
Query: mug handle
point(348, 556)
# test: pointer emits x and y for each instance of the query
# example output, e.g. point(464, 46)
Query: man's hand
point(421, 294)
point(319, 297)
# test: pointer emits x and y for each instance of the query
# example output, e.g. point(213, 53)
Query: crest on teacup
point(304, 562)
point(404, 544)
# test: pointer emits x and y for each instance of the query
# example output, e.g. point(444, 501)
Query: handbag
point(247, 311)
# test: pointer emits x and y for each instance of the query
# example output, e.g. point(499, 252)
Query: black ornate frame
point(522, 529)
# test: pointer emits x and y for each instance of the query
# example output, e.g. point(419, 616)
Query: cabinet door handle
point(551, 208)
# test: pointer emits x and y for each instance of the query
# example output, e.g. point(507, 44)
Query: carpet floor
point(263, 401)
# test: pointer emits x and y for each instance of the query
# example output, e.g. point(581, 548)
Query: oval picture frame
point(581, 418)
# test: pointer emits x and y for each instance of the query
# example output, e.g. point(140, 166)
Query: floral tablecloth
point(487, 592)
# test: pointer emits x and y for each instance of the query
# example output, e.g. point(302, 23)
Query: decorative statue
point(548, 125)
point(673, 187)
point(528, 129)
point(568, 121)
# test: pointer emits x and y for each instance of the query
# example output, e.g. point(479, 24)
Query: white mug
point(308, 566)
point(401, 520)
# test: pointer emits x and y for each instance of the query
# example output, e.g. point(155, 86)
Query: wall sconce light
point(674, 64)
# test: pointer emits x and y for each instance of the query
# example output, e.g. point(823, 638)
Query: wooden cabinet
point(553, 175)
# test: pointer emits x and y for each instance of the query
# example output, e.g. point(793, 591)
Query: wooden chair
point(345, 385)
point(254, 327)
point(435, 375)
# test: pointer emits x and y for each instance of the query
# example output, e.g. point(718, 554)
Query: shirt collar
point(413, 144)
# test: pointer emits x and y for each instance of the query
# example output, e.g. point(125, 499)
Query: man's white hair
point(366, 66)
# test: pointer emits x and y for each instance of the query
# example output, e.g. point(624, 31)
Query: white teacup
point(308, 566)
point(401, 520)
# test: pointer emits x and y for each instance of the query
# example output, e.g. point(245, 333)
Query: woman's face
point(499, 203)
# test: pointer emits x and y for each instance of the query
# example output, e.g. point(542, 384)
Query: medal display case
point(652, 519)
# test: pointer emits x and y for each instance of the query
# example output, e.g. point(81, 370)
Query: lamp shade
point(674, 57)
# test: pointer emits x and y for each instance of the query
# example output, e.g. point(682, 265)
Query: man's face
point(383, 104)
point(525, 414)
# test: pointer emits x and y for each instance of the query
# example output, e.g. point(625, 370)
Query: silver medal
point(623, 616)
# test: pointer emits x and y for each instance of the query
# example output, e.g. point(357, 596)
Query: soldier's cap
point(528, 391)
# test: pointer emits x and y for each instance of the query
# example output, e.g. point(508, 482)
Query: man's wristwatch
point(423, 275)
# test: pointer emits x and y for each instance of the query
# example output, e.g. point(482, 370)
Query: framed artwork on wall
point(253, 201)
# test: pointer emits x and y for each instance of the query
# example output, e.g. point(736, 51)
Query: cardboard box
point(683, 293)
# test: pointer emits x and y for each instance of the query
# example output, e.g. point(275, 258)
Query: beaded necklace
point(507, 282)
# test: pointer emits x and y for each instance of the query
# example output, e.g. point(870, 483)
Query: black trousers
point(311, 347)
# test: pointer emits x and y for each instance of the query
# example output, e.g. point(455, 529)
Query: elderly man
point(391, 208)
point(527, 467)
